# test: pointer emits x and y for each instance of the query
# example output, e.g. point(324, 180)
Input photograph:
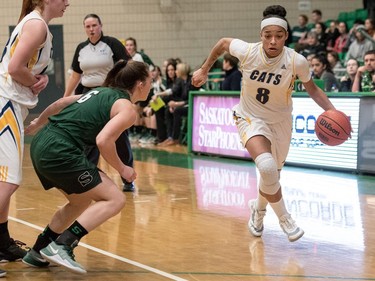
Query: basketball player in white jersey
point(23, 62)
point(263, 116)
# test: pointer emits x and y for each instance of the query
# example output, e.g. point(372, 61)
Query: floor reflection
point(325, 204)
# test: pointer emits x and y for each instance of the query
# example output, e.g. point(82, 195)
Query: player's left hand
point(32, 128)
point(40, 85)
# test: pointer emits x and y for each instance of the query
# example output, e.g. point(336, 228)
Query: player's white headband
point(274, 21)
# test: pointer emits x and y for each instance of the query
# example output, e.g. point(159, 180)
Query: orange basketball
point(333, 127)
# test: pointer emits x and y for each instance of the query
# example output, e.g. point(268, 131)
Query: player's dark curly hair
point(274, 10)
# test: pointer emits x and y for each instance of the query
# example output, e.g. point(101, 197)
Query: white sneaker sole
point(253, 231)
point(58, 260)
point(296, 236)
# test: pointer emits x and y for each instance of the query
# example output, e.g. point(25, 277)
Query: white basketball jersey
point(267, 84)
point(37, 65)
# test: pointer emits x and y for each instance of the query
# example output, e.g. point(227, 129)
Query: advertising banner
point(214, 132)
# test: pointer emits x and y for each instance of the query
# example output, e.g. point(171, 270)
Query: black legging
point(178, 113)
point(161, 127)
point(124, 151)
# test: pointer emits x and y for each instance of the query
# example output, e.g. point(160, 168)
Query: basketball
point(333, 127)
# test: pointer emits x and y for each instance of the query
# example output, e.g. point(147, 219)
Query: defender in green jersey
point(58, 153)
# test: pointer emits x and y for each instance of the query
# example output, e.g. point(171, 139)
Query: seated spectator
point(347, 80)
point(309, 58)
point(299, 31)
point(370, 27)
point(322, 70)
point(177, 106)
point(351, 33)
point(131, 47)
point(171, 80)
point(138, 130)
point(340, 42)
point(359, 46)
point(316, 16)
point(158, 85)
point(165, 64)
point(332, 33)
point(363, 81)
point(320, 29)
point(313, 46)
point(233, 77)
point(335, 63)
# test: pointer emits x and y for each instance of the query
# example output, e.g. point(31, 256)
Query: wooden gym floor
point(187, 220)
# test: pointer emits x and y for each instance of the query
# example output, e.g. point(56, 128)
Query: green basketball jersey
point(83, 120)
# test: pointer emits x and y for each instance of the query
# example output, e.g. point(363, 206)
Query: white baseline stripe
point(182, 198)
point(141, 201)
point(146, 267)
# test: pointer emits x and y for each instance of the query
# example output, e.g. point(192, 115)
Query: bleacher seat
point(352, 15)
point(350, 23)
point(361, 14)
point(343, 16)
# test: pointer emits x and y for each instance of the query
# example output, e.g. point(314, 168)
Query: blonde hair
point(184, 68)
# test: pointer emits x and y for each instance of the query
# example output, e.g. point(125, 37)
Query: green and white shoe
point(34, 259)
point(62, 255)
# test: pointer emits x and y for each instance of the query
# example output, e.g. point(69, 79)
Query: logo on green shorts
point(85, 178)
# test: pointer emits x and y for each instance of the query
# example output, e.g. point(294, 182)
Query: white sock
point(279, 208)
point(261, 202)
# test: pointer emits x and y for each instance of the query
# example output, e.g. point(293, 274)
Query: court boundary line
point(108, 254)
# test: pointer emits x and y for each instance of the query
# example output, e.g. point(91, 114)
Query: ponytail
point(111, 76)
point(28, 6)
